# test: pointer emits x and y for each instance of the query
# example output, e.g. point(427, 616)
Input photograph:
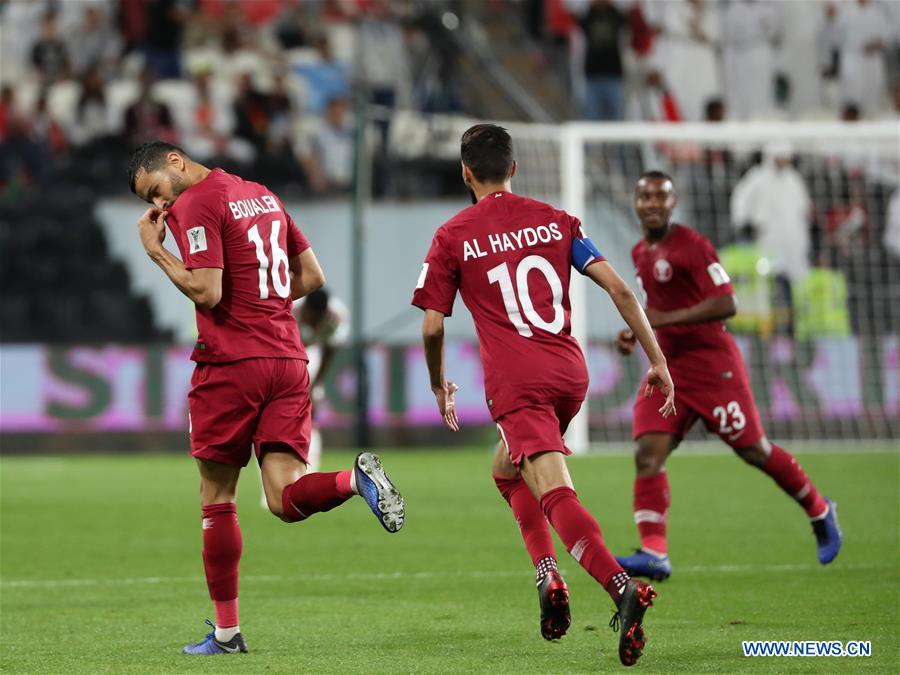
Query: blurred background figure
point(148, 118)
point(163, 24)
point(861, 35)
point(325, 78)
point(773, 199)
point(801, 54)
point(324, 323)
point(603, 25)
point(328, 159)
point(94, 45)
point(751, 276)
point(689, 34)
point(49, 54)
point(749, 30)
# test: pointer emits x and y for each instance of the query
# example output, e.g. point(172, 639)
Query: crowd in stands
point(266, 84)
point(669, 60)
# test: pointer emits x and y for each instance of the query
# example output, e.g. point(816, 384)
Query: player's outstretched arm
point(605, 276)
point(306, 274)
point(433, 340)
point(202, 285)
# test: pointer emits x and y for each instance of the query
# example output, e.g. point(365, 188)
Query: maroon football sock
point(527, 512)
point(314, 493)
point(784, 469)
point(583, 539)
point(222, 545)
point(651, 508)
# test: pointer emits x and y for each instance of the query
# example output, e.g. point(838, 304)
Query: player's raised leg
point(547, 475)
point(282, 439)
point(787, 473)
point(553, 593)
point(222, 545)
point(651, 508)
point(294, 495)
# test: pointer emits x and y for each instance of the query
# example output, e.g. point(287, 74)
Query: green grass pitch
point(101, 571)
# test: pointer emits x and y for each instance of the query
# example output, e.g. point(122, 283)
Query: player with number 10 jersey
point(515, 281)
point(510, 258)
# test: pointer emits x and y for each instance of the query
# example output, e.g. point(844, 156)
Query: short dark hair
point(150, 156)
point(656, 174)
point(487, 150)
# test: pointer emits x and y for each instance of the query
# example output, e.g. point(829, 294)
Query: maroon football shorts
point(712, 386)
point(254, 401)
point(537, 428)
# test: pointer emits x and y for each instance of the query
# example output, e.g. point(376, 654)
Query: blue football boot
point(644, 564)
point(373, 485)
point(828, 534)
point(209, 645)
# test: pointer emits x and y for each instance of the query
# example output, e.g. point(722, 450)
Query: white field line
point(401, 576)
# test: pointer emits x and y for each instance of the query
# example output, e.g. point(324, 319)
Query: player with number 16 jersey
point(225, 215)
point(510, 258)
point(243, 261)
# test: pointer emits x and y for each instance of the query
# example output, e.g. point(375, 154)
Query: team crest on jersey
point(197, 239)
point(662, 270)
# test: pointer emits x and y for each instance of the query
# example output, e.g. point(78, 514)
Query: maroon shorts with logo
point(253, 401)
point(709, 385)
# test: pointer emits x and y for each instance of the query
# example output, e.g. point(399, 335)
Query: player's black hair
point(661, 175)
point(318, 300)
point(150, 156)
point(487, 150)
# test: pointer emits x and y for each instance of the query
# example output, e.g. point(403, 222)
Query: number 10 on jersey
point(500, 275)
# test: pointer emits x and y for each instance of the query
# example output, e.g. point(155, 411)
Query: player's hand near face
point(152, 229)
point(625, 342)
point(447, 405)
point(658, 376)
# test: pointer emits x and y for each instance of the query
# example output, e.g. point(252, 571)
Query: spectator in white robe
point(862, 33)
point(773, 198)
point(749, 28)
point(802, 54)
point(689, 33)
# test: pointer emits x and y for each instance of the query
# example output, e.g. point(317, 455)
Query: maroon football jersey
point(242, 228)
point(678, 272)
point(510, 257)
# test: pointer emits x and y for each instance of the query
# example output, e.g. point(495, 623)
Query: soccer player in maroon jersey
point(687, 295)
point(510, 259)
point(243, 261)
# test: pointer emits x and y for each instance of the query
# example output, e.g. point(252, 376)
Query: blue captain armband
point(584, 253)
